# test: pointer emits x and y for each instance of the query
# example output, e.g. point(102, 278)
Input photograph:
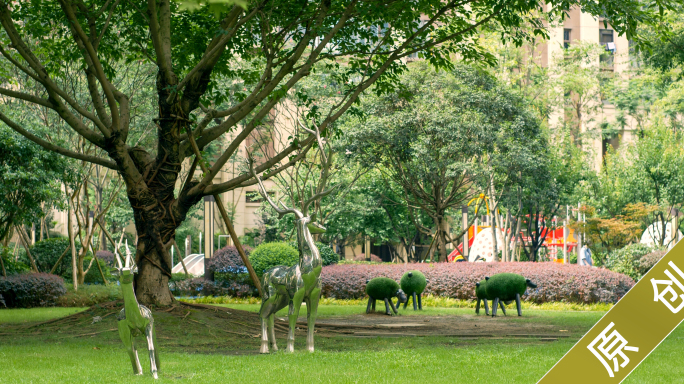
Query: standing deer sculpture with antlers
point(290, 286)
point(134, 319)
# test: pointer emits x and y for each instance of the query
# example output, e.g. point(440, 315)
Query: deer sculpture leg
point(129, 343)
point(267, 309)
point(149, 334)
point(311, 313)
point(292, 315)
point(271, 332)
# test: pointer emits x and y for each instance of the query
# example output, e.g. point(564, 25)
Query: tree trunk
point(441, 237)
point(151, 283)
point(72, 244)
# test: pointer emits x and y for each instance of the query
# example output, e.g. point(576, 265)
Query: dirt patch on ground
point(468, 326)
point(198, 328)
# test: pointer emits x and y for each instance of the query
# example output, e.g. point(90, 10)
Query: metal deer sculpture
point(134, 319)
point(283, 286)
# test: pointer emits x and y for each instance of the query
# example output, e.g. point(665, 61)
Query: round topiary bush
point(505, 286)
point(382, 288)
point(327, 254)
point(31, 290)
point(413, 281)
point(269, 255)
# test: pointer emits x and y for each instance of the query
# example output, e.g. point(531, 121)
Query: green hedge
point(31, 290)
point(269, 255)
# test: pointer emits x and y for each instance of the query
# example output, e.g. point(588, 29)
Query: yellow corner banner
point(631, 330)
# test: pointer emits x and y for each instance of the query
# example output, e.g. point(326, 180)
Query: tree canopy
point(445, 137)
point(30, 178)
point(219, 72)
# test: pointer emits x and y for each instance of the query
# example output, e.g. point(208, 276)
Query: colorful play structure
point(480, 245)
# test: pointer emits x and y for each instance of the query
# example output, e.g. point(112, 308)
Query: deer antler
point(262, 191)
point(116, 251)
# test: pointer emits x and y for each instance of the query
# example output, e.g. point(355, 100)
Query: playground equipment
point(480, 247)
point(652, 235)
point(194, 263)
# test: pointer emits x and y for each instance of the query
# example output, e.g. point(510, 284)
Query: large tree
point(222, 70)
point(445, 137)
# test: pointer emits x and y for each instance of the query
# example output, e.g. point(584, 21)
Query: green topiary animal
point(502, 288)
point(481, 294)
point(382, 288)
point(413, 283)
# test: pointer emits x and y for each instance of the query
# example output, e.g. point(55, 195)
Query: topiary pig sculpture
point(501, 288)
point(382, 288)
point(413, 283)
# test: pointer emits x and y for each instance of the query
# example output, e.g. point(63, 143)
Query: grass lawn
point(101, 359)
point(21, 315)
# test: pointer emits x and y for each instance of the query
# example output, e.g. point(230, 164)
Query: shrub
point(175, 277)
point(89, 295)
point(373, 258)
point(327, 254)
point(47, 252)
point(227, 259)
point(626, 260)
point(269, 255)
point(31, 290)
point(106, 257)
point(93, 276)
point(555, 282)
point(229, 272)
point(649, 260)
point(357, 262)
point(413, 281)
point(12, 267)
point(382, 288)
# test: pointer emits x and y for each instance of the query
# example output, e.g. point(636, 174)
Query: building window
point(566, 38)
point(606, 39)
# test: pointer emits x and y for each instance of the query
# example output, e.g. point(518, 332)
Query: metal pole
point(464, 211)
point(208, 226)
point(188, 245)
point(579, 233)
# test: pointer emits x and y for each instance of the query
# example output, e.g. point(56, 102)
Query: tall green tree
point(445, 137)
point(230, 63)
point(30, 179)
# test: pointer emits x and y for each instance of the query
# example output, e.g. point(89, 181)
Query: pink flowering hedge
point(555, 282)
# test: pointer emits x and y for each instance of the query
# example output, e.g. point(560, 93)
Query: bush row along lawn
point(338, 360)
point(88, 295)
point(428, 301)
